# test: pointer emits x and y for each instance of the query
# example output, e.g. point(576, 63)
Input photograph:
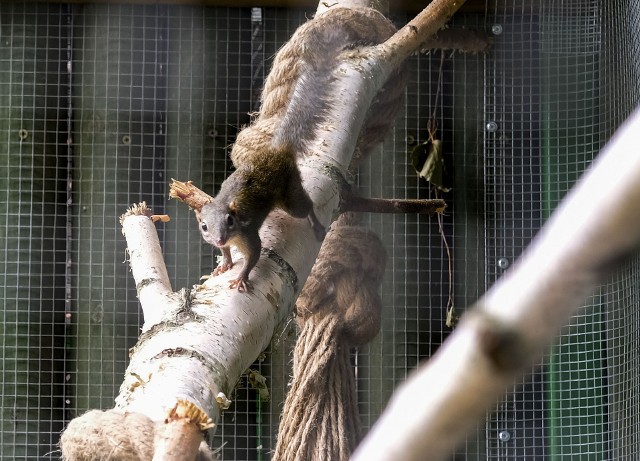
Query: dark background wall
point(101, 104)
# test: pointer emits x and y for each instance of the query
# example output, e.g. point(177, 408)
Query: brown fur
point(294, 102)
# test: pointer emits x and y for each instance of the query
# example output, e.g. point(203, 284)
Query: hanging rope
point(339, 308)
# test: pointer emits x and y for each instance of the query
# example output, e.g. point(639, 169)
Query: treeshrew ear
point(233, 207)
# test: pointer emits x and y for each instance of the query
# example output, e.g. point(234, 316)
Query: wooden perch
point(417, 32)
point(187, 193)
point(459, 39)
point(196, 343)
point(593, 232)
point(352, 202)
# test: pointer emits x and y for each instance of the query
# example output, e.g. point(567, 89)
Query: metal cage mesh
point(100, 105)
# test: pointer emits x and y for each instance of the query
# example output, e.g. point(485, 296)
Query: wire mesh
point(101, 104)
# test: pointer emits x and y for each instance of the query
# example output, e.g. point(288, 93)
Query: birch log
point(196, 343)
point(594, 231)
point(226, 330)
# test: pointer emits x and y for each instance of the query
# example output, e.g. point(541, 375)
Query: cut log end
point(187, 193)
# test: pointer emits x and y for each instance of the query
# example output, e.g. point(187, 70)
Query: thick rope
point(338, 308)
point(321, 418)
point(315, 47)
point(114, 436)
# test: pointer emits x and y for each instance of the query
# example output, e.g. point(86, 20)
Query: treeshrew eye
point(230, 220)
point(203, 226)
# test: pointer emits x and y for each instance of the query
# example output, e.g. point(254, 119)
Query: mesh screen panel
point(101, 104)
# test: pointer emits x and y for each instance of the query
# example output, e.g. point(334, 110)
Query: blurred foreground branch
point(593, 232)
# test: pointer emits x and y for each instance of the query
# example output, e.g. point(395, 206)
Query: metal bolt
point(256, 15)
point(126, 140)
point(23, 134)
point(504, 436)
point(503, 263)
point(496, 29)
point(491, 127)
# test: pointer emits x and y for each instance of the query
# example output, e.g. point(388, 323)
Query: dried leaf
point(452, 318)
point(426, 158)
point(258, 382)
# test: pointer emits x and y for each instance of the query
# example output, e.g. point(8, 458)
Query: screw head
point(491, 127)
point(496, 29)
point(504, 436)
point(503, 263)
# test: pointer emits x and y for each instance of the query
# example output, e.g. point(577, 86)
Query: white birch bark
point(595, 229)
point(196, 343)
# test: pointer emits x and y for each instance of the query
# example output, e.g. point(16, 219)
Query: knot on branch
point(339, 307)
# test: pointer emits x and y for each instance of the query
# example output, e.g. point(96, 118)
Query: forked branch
point(197, 342)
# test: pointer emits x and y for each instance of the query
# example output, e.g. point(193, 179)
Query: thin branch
point(410, 38)
point(147, 262)
point(352, 202)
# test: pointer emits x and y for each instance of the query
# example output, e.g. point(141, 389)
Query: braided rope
point(339, 308)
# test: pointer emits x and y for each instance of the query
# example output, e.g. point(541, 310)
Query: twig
point(187, 193)
point(410, 38)
point(352, 202)
point(459, 39)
